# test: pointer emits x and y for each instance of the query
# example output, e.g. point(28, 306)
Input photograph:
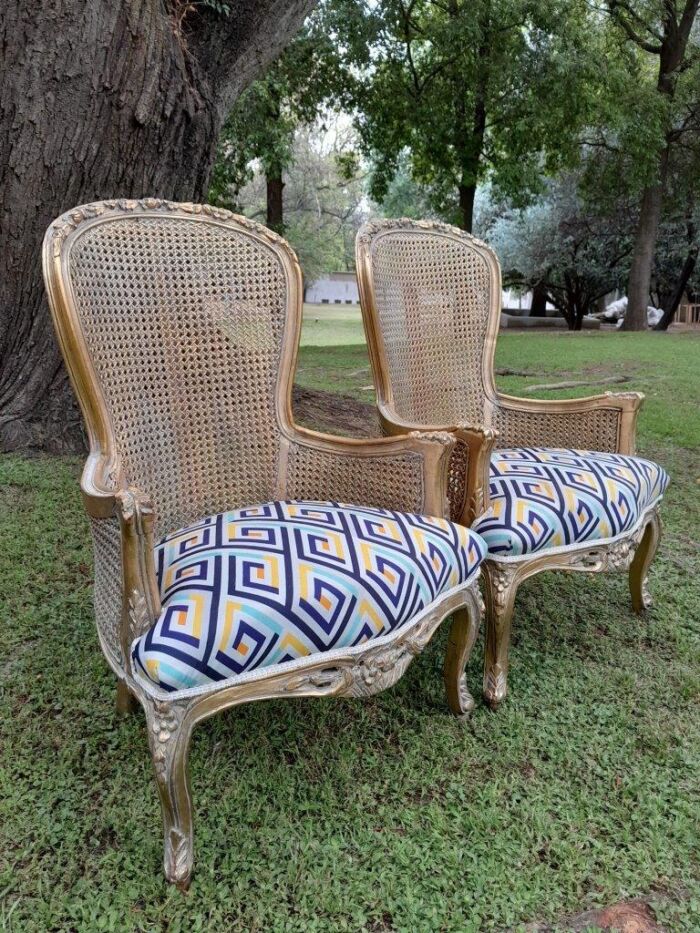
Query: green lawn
point(380, 815)
point(666, 367)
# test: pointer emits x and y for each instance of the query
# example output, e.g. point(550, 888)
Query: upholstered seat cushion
point(271, 583)
point(546, 498)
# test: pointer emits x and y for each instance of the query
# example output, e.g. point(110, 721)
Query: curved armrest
point(407, 473)
point(99, 485)
point(107, 497)
point(598, 422)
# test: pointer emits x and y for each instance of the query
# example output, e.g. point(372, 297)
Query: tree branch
point(616, 7)
point(232, 50)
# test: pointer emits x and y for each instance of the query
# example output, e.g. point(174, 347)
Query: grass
point(380, 815)
point(666, 367)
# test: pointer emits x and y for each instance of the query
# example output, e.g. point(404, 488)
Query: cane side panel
point(457, 480)
point(594, 429)
point(106, 538)
point(390, 482)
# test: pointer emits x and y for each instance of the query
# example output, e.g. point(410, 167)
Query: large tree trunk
point(673, 303)
point(467, 193)
point(538, 308)
point(469, 139)
point(275, 200)
point(103, 99)
point(671, 52)
point(639, 287)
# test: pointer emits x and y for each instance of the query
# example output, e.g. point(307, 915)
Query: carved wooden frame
point(354, 672)
point(632, 551)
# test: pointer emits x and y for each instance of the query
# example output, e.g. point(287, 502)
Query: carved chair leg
point(641, 598)
point(169, 731)
point(500, 587)
point(126, 701)
point(465, 627)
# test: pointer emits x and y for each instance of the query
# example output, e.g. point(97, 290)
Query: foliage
point(262, 125)
point(660, 38)
point(404, 196)
point(467, 89)
point(323, 198)
point(331, 815)
point(563, 244)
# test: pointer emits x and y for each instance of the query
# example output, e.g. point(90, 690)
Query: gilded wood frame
point(354, 672)
point(631, 551)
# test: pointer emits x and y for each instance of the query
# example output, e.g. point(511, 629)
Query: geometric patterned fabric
point(270, 583)
point(546, 498)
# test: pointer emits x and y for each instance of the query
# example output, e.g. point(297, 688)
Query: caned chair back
point(431, 302)
point(180, 326)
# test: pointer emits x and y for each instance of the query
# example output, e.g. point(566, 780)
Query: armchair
point(563, 490)
point(226, 570)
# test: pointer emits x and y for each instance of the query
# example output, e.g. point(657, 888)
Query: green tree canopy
point(471, 89)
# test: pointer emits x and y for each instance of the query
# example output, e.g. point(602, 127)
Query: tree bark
point(671, 52)
point(469, 140)
point(467, 193)
point(683, 279)
point(538, 308)
point(275, 200)
point(639, 287)
point(103, 99)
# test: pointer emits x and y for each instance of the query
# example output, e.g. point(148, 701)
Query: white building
point(336, 288)
point(340, 288)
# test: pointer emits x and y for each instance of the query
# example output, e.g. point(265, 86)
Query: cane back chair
point(563, 490)
point(179, 325)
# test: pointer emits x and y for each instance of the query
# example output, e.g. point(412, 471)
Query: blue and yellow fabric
point(271, 583)
point(545, 498)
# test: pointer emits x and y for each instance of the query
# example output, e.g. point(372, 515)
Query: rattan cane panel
point(184, 322)
point(432, 297)
point(596, 429)
point(107, 595)
point(382, 481)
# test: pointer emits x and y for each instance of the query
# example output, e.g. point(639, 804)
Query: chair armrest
point(468, 476)
point(407, 473)
point(606, 423)
point(98, 485)
point(107, 498)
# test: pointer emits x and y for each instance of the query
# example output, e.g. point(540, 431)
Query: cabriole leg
point(500, 587)
point(126, 701)
point(639, 568)
point(465, 626)
point(169, 731)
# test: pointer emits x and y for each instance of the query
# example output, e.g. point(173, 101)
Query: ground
point(379, 815)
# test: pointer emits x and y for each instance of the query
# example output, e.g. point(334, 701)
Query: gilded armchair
point(225, 570)
point(563, 490)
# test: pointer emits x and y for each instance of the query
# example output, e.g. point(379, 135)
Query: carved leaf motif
point(70, 221)
point(139, 615)
point(179, 854)
point(370, 230)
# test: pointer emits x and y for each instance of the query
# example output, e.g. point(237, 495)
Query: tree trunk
point(643, 254)
point(467, 193)
point(103, 100)
point(538, 308)
point(675, 300)
point(275, 203)
point(671, 52)
point(469, 140)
